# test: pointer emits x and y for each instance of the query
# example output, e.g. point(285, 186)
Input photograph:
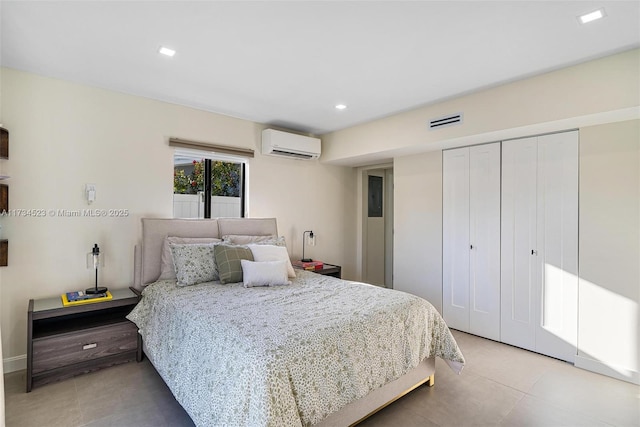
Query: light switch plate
point(90, 192)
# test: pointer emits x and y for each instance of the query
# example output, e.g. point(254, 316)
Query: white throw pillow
point(263, 253)
point(268, 273)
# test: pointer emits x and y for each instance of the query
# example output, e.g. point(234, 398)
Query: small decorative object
point(309, 265)
point(4, 143)
point(4, 253)
point(4, 198)
point(311, 237)
point(95, 260)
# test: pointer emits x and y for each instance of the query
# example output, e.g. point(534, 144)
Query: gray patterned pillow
point(228, 262)
point(194, 263)
point(167, 269)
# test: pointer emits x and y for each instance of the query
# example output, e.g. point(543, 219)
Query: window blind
point(203, 146)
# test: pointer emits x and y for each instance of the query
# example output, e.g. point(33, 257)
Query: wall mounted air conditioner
point(285, 144)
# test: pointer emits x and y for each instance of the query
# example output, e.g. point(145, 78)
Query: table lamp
point(303, 242)
point(95, 260)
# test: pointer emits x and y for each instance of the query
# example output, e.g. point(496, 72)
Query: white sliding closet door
point(484, 233)
point(518, 263)
point(557, 333)
point(540, 244)
point(455, 244)
point(471, 239)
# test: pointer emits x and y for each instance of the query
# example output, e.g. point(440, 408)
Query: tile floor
point(501, 385)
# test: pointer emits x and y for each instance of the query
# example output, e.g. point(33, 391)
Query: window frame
point(209, 157)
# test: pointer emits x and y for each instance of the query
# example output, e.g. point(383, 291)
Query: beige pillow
point(167, 268)
point(263, 253)
point(238, 239)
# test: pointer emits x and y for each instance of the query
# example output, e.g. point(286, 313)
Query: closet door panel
point(518, 242)
point(558, 245)
point(455, 228)
point(484, 230)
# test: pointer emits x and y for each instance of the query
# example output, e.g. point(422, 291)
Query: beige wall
point(418, 226)
point(65, 135)
point(609, 312)
point(599, 91)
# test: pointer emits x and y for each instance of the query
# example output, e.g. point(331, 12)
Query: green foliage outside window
point(225, 178)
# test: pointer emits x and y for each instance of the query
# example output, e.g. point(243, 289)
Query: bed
point(317, 351)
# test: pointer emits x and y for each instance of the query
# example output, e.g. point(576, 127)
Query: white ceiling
point(289, 63)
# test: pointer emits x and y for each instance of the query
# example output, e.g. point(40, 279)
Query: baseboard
point(15, 363)
point(617, 372)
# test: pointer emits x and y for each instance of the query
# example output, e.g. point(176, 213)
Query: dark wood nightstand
point(327, 270)
point(66, 341)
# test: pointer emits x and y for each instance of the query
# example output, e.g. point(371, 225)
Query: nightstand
point(327, 270)
point(63, 342)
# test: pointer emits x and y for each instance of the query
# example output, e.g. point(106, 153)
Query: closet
point(510, 242)
point(539, 244)
point(471, 239)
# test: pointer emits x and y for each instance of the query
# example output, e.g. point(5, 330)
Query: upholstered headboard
point(155, 230)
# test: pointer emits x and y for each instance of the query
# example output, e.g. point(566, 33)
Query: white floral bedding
point(287, 355)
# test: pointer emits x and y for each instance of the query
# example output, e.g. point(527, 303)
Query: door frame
point(362, 213)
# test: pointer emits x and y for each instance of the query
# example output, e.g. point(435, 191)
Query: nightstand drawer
point(64, 350)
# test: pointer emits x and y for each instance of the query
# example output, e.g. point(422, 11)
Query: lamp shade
point(95, 258)
point(303, 245)
point(95, 261)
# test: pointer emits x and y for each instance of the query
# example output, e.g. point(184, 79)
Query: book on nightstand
point(309, 265)
point(81, 297)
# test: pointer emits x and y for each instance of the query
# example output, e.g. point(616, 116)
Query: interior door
point(455, 238)
point(375, 251)
point(484, 243)
point(518, 243)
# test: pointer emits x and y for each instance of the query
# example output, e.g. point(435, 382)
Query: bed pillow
point(167, 269)
point(238, 239)
point(194, 263)
point(228, 263)
point(263, 253)
point(269, 273)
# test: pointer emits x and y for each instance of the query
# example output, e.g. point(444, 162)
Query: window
point(197, 173)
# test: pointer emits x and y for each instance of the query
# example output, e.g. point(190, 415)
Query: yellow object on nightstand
point(78, 298)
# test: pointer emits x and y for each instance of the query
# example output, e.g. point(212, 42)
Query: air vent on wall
point(450, 120)
point(291, 154)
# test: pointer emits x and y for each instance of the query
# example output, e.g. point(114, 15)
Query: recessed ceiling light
point(592, 16)
point(166, 51)
point(340, 107)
